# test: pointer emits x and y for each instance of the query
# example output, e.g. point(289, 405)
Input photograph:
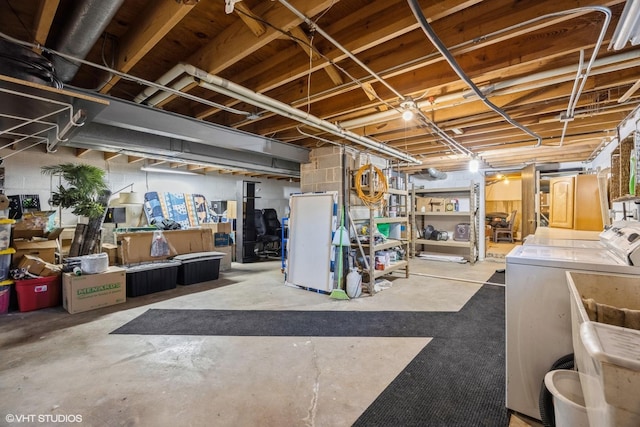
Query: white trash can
point(568, 401)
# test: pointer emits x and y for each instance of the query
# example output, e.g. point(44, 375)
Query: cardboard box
point(217, 227)
point(37, 266)
point(43, 249)
point(225, 262)
point(145, 246)
point(232, 209)
point(422, 204)
point(436, 204)
point(92, 291)
point(404, 233)
point(221, 239)
point(34, 224)
point(112, 252)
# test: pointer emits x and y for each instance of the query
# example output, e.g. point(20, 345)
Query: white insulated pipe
point(178, 85)
point(228, 88)
point(164, 80)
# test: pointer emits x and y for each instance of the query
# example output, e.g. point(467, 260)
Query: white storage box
point(607, 357)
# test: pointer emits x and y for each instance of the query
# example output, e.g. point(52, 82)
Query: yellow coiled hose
point(380, 186)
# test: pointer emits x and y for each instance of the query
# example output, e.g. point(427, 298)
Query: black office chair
point(272, 222)
point(268, 240)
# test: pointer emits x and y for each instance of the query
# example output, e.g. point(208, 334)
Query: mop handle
point(364, 256)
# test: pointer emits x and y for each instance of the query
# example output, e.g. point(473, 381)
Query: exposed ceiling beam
point(386, 21)
point(43, 20)
point(156, 21)
point(134, 159)
point(306, 44)
point(248, 17)
point(80, 152)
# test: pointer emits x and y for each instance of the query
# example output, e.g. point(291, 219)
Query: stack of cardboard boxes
point(78, 293)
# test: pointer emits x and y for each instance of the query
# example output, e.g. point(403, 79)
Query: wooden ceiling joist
point(44, 18)
point(156, 21)
point(307, 46)
point(134, 159)
point(249, 19)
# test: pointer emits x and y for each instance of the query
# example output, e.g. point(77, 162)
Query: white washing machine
point(579, 239)
point(564, 243)
point(538, 312)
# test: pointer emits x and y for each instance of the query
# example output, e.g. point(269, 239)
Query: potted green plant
point(87, 194)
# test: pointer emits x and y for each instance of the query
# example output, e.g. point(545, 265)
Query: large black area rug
point(458, 379)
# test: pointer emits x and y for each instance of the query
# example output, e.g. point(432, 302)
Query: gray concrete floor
point(57, 364)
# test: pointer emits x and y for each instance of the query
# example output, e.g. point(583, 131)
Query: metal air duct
point(86, 23)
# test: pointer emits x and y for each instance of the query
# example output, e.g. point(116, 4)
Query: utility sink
point(607, 350)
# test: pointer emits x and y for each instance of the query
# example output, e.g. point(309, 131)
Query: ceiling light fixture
point(174, 171)
point(628, 28)
point(408, 106)
point(474, 165)
point(457, 131)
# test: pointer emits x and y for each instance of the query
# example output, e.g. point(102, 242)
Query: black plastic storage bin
point(198, 267)
point(146, 279)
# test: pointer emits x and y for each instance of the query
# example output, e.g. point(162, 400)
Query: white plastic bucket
point(568, 400)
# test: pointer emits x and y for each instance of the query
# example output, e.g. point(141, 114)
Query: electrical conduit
point(226, 87)
point(431, 35)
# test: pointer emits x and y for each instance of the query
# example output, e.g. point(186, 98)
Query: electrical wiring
point(353, 79)
point(379, 185)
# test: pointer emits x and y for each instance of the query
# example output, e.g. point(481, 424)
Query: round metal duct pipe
point(436, 174)
point(24, 64)
point(86, 23)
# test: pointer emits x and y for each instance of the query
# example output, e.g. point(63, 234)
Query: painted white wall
point(23, 176)
point(511, 190)
point(603, 159)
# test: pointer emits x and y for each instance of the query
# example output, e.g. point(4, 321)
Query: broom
point(339, 293)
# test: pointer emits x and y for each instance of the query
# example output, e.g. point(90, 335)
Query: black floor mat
point(458, 379)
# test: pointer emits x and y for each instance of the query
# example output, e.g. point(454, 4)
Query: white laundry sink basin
point(607, 356)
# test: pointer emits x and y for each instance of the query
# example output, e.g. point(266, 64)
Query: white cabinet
point(453, 213)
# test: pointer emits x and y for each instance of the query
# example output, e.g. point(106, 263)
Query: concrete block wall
point(324, 173)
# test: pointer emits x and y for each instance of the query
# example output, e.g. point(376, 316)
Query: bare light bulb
point(407, 115)
point(474, 165)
